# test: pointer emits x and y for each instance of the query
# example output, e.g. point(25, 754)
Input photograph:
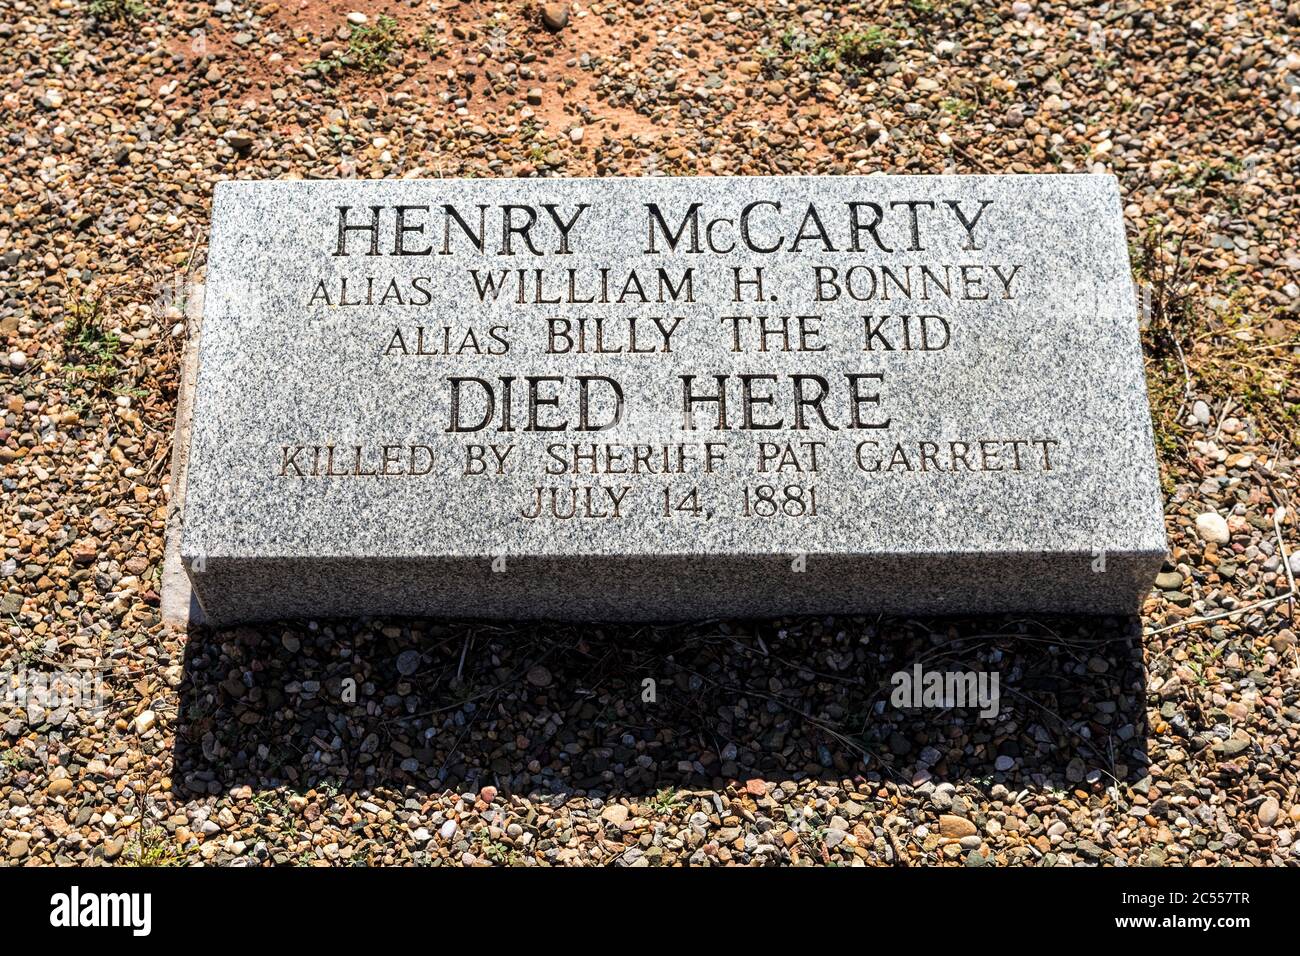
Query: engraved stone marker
point(670, 398)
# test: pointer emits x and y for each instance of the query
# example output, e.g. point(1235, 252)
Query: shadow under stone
point(556, 710)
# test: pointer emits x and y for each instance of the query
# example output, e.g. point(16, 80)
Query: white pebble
point(357, 18)
point(17, 359)
point(1211, 527)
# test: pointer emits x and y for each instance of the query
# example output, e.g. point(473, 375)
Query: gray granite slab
point(932, 399)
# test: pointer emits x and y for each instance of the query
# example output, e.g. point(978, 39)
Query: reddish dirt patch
point(456, 61)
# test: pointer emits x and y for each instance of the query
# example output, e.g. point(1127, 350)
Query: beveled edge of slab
point(178, 601)
point(602, 588)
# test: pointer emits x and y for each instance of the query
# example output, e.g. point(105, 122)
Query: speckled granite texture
point(996, 456)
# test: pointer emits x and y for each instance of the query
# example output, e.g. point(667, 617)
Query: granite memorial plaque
point(670, 398)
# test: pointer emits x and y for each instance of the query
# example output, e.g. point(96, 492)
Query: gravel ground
point(1168, 739)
